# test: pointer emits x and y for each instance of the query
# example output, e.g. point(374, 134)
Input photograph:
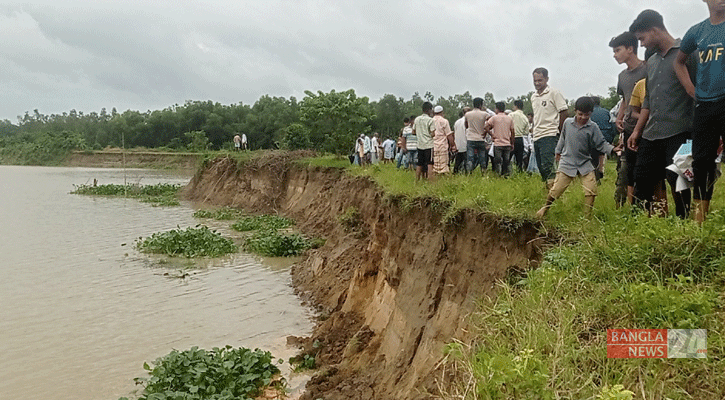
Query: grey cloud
point(147, 55)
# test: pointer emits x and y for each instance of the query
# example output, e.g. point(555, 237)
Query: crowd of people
point(671, 113)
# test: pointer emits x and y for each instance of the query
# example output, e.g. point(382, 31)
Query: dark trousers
point(477, 154)
point(709, 127)
point(544, 149)
point(519, 152)
point(460, 162)
point(653, 157)
point(501, 159)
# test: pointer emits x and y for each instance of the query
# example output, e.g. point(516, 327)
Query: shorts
point(562, 181)
point(425, 157)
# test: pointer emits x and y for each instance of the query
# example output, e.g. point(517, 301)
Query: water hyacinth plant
point(161, 194)
point(191, 242)
point(219, 374)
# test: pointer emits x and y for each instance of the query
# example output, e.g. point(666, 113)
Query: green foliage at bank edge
point(219, 214)
point(255, 222)
point(271, 243)
point(219, 374)
point(191, 242)
point(44, 148)
point(544, 335)
point(161, 194)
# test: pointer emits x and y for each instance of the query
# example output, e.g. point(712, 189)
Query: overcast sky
point(61, 55)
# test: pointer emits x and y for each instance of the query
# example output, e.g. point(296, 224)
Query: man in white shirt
point(550, 112)
point(374, 148)
point(459, 131)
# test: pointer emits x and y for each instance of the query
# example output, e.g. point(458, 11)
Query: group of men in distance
point(677, 93)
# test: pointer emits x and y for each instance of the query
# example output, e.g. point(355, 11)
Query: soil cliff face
point(393, 291)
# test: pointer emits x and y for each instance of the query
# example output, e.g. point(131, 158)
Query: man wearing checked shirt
point(665, 121)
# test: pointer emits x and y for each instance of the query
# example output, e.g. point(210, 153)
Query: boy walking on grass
point(579, 137)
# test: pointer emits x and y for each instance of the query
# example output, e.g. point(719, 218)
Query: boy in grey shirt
point(579, 137)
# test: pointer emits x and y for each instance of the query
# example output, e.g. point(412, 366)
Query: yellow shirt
point(640, 89)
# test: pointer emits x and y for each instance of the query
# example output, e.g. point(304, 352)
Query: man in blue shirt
point(707, 39)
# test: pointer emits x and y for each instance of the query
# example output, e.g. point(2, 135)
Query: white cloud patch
point(71, 54)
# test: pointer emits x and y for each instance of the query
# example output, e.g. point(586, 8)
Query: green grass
point(161, 194)
point(544, 334)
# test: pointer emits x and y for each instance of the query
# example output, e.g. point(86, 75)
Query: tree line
point(325, 121)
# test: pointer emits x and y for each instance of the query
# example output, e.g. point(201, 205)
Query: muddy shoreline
point(393, 291)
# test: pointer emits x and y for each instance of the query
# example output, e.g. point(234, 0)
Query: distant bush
point(43, 148)
point(296, 137)
point(198, 141)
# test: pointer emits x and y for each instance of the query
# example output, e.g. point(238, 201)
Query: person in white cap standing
point(443, 140)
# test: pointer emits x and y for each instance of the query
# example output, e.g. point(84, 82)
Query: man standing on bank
point(665, 120)
point(550, 112)
point(624, 48)
point(708, 39)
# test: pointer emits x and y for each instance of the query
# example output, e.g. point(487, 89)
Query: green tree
point(335, 118)
point(296, 137)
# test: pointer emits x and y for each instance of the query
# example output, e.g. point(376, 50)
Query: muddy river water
point(81, 309)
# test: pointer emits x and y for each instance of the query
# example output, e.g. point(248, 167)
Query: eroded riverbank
point(394, 290)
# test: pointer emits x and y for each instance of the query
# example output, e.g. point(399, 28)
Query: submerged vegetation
point(191, 242)
point(256, 222)
point(271, 243)
point(544, 334)
point(219, 374)
point(161, 194)
point(219, 214)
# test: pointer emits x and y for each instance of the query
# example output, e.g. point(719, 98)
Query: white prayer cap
point(438, 109)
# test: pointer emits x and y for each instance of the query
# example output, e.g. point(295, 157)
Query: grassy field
point(544, 335)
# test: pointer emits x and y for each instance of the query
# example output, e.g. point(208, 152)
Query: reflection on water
point(81, 309)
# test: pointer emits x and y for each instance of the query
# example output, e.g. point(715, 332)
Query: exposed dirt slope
point(393, 292)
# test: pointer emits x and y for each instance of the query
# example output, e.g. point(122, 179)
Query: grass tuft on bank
point(544, 334)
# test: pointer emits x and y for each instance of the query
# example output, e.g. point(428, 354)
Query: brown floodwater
point(81, 310)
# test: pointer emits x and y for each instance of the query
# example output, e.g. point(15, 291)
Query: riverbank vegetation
point(161, 194)
point(217, 374)
point(191, 242)
point(321, 121)
point(220, 214)
point(257, 222)
point(544, 334)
